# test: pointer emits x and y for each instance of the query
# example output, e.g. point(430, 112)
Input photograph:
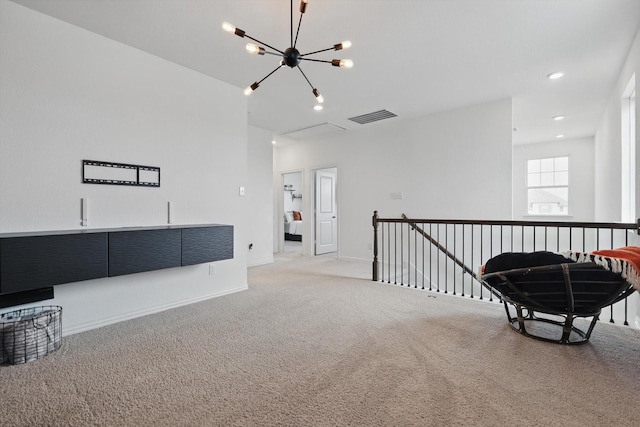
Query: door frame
point(280, 209)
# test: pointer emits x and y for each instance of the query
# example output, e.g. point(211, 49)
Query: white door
point(326, 211)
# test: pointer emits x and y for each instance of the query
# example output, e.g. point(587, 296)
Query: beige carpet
point(313, 342)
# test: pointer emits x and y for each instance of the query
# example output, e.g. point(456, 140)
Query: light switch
point(242, 191)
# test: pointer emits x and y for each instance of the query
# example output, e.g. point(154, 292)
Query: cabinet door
point(207, 244)
point(146, 250)
point(40, 261)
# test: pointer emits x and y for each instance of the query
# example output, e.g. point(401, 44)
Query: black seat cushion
point(512, 260)
point(537, 280)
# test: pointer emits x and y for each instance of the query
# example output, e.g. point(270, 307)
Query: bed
point(293, 226)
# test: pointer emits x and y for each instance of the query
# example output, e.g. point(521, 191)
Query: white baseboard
point(116, 319)
point(346, 258)
point(262, 261)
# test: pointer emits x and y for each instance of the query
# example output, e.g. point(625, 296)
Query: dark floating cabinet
point(145, 250)
point(33, 261)
point(200, 245)
point(38, 261)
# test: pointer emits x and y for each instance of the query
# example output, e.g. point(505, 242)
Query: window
point(628, 169)
point(548, 186)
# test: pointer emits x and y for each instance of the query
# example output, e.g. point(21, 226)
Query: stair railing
point(445, 255)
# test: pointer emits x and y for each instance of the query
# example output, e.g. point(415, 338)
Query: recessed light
point(560, 136)
point(558, 118)
point(318, 107)
point(555, 76)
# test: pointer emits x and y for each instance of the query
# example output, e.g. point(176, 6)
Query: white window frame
point(628, 152)
point(550, 173)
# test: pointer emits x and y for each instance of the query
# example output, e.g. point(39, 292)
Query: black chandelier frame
point(291, 56)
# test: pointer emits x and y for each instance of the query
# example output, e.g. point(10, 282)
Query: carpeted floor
point(314, 342)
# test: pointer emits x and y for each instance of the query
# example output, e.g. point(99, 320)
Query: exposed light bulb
point(342, 63)
point(249, 90)
point(254, 49)
point(346, 63)
point(303, 6)
point(342, 45)
point(318, 96)
point(230, 28)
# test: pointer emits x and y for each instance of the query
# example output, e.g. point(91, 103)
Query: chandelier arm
point(318, 51)
point(305, 77)
point(265, 77)
point(298, 31)
point(261, 42)
point(315, 60)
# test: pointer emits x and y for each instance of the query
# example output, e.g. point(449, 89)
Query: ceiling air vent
point(373, 117)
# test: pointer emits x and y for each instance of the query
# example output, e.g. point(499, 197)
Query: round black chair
point(549, 292)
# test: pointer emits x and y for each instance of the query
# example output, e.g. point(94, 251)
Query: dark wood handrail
point(614, 225)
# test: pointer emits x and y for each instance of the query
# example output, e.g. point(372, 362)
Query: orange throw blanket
point(625, 261)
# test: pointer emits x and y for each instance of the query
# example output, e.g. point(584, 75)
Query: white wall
point(455, 164)
point(608, 198)
point(581, 182)
point(260, 196)
point(67, 94)
point(608, 149)
point(294, 179)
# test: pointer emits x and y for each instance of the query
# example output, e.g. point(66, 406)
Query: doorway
point(293, 212)
point(326, 211)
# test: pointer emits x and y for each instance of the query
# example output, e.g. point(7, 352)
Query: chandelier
point(291, 56)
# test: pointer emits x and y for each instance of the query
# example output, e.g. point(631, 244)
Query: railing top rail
point(565, 224)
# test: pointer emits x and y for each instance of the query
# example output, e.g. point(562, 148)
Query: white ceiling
point(411, 57)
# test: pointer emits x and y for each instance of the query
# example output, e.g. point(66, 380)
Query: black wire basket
point(29, 334)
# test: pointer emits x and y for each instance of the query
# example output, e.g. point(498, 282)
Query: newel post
point(374, 222)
